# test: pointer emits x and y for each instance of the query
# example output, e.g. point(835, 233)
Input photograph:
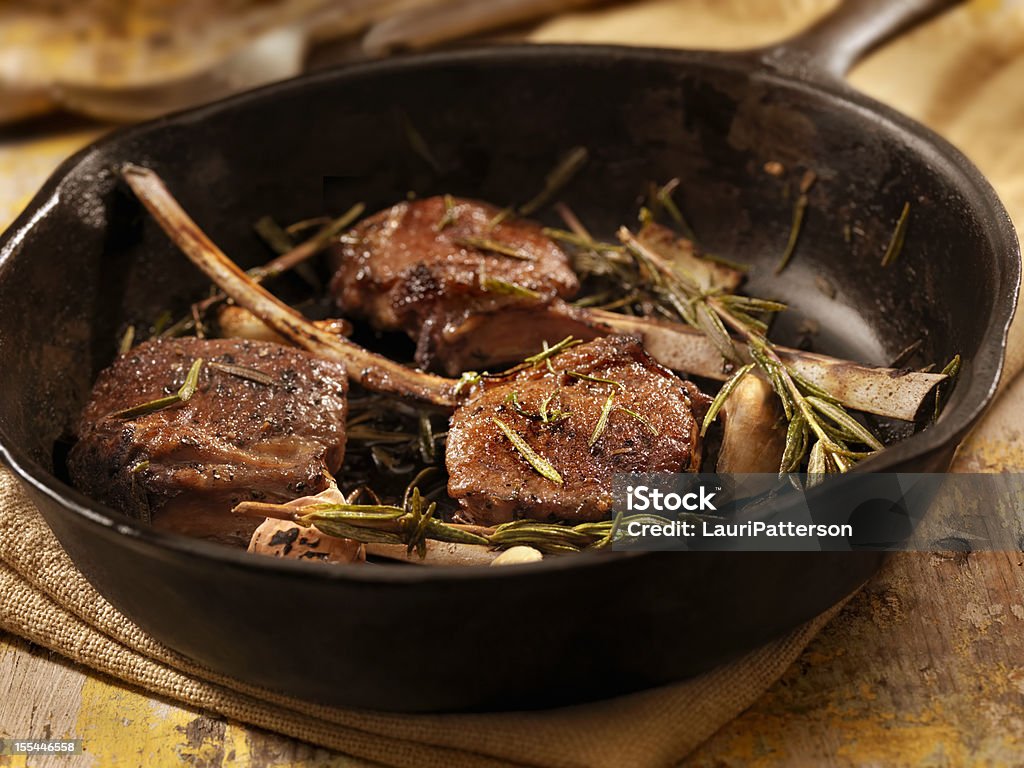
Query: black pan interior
point(85, 260)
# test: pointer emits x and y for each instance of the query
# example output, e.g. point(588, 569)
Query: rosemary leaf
point(419, 145)
point(849, 425)
point(344, 530)
point(493, 246)
point(426, 442)
point(499, 218)
point(752, 304)
point(653, 429)
point(442, 532)
point(723, 395)
point(548, 352)
point(810, 387)
point(449, 214)
point(595, 379)
point(799, 211)
point(273, 235)
point(710, 323)
point(540, 465)
point(602, 420)
point(466, 382)
point(356, 512)
point(181, 396)
point(512, 401)
point(892, 251)
point(497, 285)
point(817, 465)
point(582, 242)
point(125, 346)
point(796, 445)
point(952, 368)
point(559, 176)
point(243, 372)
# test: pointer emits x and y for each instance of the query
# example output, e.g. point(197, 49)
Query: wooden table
point(925, 667)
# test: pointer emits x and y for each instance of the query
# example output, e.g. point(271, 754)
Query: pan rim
point(982, 379)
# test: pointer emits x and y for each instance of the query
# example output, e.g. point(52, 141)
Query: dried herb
point(653, 429)
point(493, 246)
point(795, 228)
point(662, 198)
point(595, 379)
point(602, 420)
point(449, 214)
point(540, 465)
point(562, 174)
point(547, 415)
point(243, 372)
point(183, 395)
point(497, 285)
point(723, 395)
point(892, 251)
point(127, 340)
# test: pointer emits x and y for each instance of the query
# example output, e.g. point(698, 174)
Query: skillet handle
point(827, 50)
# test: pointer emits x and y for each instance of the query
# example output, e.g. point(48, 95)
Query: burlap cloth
point(44, 599)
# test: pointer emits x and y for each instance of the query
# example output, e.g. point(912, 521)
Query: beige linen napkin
point(44, 598)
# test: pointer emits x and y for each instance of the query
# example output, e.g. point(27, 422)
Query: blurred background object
point(126, 60)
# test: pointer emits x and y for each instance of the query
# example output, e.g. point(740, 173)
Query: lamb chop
point(546, 442)
point(265, 422)
point(425, 267)
point(475, 290)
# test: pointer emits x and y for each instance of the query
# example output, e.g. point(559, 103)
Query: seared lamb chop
point(424, 267)
point(598, 409)
point(266, 422)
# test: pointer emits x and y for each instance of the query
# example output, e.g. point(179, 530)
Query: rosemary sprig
point(183, 395)
point(540, 465)
point(415, 521)
point(822, 418)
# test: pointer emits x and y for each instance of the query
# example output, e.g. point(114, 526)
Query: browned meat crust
point(421, 266)
point(185, 466)
point(652, 425)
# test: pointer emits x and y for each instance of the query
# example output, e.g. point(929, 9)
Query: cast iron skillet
point(83, 260)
